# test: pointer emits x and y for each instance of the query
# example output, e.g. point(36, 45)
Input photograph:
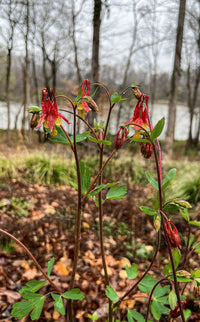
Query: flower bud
point(34, 120)
point(146, 149)
point(120, 137)
point(172, 234)
point(100, 134)
point(157, 223)
point(91, 103)
point(176, 312)
point(136, 92)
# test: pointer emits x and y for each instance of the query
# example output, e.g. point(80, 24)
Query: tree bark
point(95, 51)
point(175, 80)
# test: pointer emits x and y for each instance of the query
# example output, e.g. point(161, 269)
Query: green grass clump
point(191, 190)
point(48, 170)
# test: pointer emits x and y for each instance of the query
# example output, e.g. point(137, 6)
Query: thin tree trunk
point(175, 80)
point(8, 92)
point(95, 50)
point(78, 72)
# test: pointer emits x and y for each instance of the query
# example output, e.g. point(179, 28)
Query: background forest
point(59, 43)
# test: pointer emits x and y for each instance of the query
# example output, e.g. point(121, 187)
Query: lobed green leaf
point(74, 294)
point(111, 293)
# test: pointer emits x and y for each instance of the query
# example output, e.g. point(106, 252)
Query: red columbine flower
point(176, 312)
point(172, 234)
point(120, 137)
point(146, 149)
point(50, 116)
point(86, 101)
point(140, 115)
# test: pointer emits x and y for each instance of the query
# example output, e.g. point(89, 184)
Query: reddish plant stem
point(33, 258)
point(159, 174)
point(67, 135)
point(151, 294)
point(98, 175)
point(78, 218)
point(143, 275)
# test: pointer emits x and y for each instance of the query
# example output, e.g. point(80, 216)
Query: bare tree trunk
point(78, 72)
point(175, 80)
point(95, 50)
point(8, 92)
point(26, 72)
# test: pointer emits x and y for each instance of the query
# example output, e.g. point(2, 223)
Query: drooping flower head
point(50, 116)
point(146, 149)
point(140, 115)
point(172, 234)
point(120, 137)
point(86, 101)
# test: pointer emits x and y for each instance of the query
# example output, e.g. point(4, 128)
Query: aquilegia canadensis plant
point(166, 295)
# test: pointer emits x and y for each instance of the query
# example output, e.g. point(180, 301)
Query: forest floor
point(43, 218)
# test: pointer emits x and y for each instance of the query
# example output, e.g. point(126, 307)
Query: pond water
point(159, 111)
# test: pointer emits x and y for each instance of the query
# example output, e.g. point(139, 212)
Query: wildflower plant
point(166, 294)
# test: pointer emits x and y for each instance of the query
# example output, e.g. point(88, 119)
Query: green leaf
point(58, 304)
point(115, 98)
point(168, 178)
point(148, 211)
point(93, 317)
point(74, 294)
point(132, 272)
point(111, 294)
point(79, 95)
point(35, 302)
point(133, 315)
point(60, 137)
point(105, 142)
point(176, 256)
point(195, 223)
point(197, 250)
point(184, 214)
point(195, 274)
point(159, 291)
point(34, 109)
point(101, 187)
point(153, 182)
point(32, 286)
point(187, 313)
point(172, 299)
point(49, 266)
point(157, 129)
point(85, 177)
point(117, 192)
point(157, 309)
point(139, 140)
point(170, 207)
point(74, 185)
point(147, 283)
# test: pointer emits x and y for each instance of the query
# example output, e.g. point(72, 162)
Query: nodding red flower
point(50, 116)
point(176, 312)
point(83, 105)
point(120, 137)
point(140, 115)
point(172, 234)
point(146, 149)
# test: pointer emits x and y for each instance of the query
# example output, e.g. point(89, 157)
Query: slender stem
point(98, 175)
point(78, 218)
point(143, 275)
point(193, 249)
point(151, 294)
point(159, 174)
point(82, 119)
point(33, 258)
point(187, 248)
point(107, 92)
point(67, 135)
